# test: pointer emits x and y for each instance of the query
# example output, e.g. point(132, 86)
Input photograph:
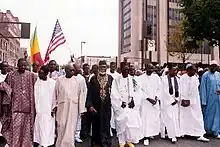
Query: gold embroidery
point(103, 80)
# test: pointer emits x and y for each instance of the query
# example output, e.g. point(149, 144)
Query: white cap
point(214, 62)
point(188, 65)
point(200, 69)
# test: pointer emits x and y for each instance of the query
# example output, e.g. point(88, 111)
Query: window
point(127, 16)
point(126, 2)
point(1, 43)
point(127, 24)
point(126, 41)
point(126, 9)
point(127, 33)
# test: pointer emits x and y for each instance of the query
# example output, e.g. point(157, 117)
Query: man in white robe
point(112, 71)
point(126, 105)
point(170, 105)
point(44, 127)
point(70, 103)
point(150, 109)
point(83, 88)
point(191, 118)
point(53, 74)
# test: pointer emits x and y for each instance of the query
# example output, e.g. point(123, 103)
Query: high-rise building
point(9, 48)
point(143, 20)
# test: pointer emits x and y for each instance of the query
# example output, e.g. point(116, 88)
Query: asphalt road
point(186, 142)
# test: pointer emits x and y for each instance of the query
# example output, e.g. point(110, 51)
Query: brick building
point(9, 48)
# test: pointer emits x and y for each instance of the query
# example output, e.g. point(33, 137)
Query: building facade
point(9, 48)
point(91, 60)
point(143, 20)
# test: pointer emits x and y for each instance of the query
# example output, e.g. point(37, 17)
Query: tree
point(178, 45)
point(202, 20)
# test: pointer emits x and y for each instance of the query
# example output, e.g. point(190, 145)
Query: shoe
point(163, 136)
point(174, 140)
point(130, 144)
point(146, 142)
point(78, 140)
point(218, 137)
point(202, 138)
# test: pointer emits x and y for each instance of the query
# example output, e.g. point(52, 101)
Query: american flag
point(56, 40)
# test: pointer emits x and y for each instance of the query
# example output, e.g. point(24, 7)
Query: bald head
point(69, 66)
point(77, 67)
point(70, 70)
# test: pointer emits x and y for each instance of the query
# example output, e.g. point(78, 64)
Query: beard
point(149, 72)
point(102, 72)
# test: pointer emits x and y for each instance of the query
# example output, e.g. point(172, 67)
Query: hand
point(174, 103)
point(52, 114)
point(54, 111)
point(131, 104)
point(218, 91)
point(152, 101)
point(92, 110)
point(123, 105)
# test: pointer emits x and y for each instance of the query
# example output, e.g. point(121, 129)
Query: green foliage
point(179, 46)
point(202, 20)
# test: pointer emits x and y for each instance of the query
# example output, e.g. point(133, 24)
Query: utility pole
point(158, 31)
point(82, 57)
point(143, 33)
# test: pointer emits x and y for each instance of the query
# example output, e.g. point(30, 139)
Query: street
point(189, 142)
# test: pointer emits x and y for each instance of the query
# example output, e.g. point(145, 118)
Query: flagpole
point(70, 52)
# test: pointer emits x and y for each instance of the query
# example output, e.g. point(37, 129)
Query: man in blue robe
point(210, 99)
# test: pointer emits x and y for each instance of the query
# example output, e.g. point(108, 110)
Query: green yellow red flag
point(35, 50)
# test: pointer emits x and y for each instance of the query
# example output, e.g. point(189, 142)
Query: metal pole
point(81, 50)
point(150, 56)
point(82, 42)
point(158, 31)
point(202, 51)
point(142, 42)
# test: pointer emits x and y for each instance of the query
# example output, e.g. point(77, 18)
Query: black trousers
point(100, 131)
point(86, 123)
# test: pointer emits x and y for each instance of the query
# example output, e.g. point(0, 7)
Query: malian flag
point(35, 50)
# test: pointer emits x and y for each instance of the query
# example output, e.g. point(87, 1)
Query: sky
point(92, 21)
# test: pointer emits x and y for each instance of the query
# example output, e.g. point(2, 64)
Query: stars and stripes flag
point(56, 40)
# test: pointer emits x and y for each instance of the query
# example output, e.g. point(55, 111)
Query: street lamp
point(82, 58)
point(82, 42)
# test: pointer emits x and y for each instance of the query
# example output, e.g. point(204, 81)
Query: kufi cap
point(200, 69)
point(123, 64)
point(102, 62)
point(214, 62)
point(188, 65)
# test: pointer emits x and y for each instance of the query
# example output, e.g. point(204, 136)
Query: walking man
point(99, 105)
point(69, 103)
point(20, 108)
point(44, 127)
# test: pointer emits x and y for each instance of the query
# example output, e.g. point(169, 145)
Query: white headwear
point(200, 69)
point(214, 62)
point(188, 65)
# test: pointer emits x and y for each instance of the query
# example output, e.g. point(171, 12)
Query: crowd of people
point(49, 106)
